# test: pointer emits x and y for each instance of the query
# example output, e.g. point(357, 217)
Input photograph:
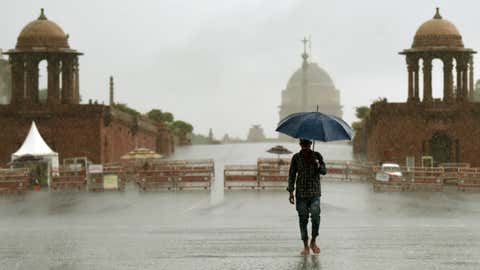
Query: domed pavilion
point(439, 39)
point(40, 40)
point(310, 86)
point(425, 129)
point(99, 132)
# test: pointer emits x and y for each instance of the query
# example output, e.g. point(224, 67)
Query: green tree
point(200, 139)
point(159, 116)
point(124, 108)
point(181, 128)
point(362, 112)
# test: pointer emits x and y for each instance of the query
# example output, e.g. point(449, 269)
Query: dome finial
point(42, 15)
point(437, 14)
point(305, 41)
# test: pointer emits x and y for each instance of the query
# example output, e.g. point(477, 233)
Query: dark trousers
point(306, 206)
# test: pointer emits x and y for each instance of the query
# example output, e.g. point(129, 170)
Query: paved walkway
point(247, 230)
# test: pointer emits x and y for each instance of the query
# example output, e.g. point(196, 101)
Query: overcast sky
point(222, 64)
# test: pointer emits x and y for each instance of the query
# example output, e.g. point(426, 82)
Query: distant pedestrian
point(304, 178)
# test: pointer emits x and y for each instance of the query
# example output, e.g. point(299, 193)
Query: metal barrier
point(393, 184)
point(272, 173)
point(240, 177)
point(348, 171)
point(428, 179)
point(112, 178)
point(69, 179)
point(413, 179)
point(14, 181)
point(470, 181)
point(176, 174)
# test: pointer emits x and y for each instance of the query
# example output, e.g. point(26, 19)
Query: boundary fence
point(272, 173)
point(14, 181)
point(176, 175)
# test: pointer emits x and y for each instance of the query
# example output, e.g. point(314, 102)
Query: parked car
point(388, 172)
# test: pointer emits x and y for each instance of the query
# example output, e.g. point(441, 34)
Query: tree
point(124, 108)
point(362, 112)
point(200, 139)
point(181, 128)
point(210, 135)
point(159, 116)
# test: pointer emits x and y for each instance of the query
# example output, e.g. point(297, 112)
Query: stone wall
point(74, 130)
point(397, 130)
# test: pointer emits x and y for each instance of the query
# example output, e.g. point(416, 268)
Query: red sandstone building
point(446, 129)
point(99, 132)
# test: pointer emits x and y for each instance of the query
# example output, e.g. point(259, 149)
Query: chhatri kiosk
point(446, 129)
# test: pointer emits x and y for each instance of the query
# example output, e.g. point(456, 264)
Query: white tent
point(34, 145)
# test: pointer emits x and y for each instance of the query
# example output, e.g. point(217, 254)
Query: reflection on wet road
point(246, 230)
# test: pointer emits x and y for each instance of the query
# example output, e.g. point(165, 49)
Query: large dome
point(42, 33)
point(437, 32)
point(315, 76)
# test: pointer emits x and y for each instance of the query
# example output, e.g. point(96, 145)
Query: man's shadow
point(309, 262)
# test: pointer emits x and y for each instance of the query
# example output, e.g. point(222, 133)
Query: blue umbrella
point(315, 126)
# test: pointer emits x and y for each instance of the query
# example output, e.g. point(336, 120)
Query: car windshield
point(391, 169)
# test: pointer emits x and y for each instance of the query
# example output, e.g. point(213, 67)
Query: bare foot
point(314, 247)
point(305, 251)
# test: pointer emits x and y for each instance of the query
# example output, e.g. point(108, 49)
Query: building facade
point(99, 132)
point(256, 134)
point(309, 87)
point(446, 129)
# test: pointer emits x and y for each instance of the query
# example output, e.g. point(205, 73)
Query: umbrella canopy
point(315, 126)
point(141, 153)
point(279, 150)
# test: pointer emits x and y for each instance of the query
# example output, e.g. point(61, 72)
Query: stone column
point(76, 88)
point(471, 80)
point(411, 94)
point(30, 81)
point(66, 81)
point(15, 69)
point(447, 79)
point(416, 80)
point(427, 79)
point(53, 81)
point(35, 78)
point(458, 67)
point(465, 78)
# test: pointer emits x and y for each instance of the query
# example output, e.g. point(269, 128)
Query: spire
point(111, 91)
point(42, 15)
point(437, 14)
point(304, 96)
point(305, 54)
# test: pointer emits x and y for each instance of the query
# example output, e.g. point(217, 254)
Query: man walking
point(304, 179)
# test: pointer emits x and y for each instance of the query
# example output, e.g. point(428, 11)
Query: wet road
point(244, 230)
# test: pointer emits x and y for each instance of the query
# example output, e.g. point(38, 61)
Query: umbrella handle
point(313, 148)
